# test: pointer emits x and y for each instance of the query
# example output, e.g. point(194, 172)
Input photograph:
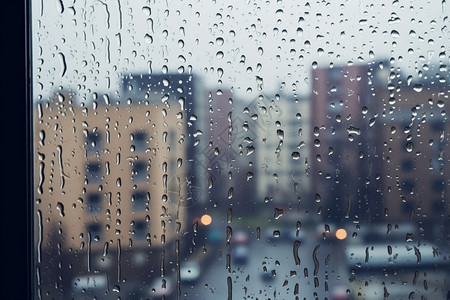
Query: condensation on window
point(256, 150)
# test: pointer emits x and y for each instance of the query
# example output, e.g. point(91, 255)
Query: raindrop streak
point(229, 283)
point(119, 255)
point(62, 63)
point(41, 178)
point(416, 276)
point(229, 234)
point(39, 248)
point(210, 182)
point(418, 255)
point(60, 6)
point(347, 212)
point(88, 253)
point(230, 193)
point(229, 215)
point(42, 137)
point(61, 170)
point(60, 208)
point(316, 261)
point(296, 258)
point(177, 253)
point(367, 255)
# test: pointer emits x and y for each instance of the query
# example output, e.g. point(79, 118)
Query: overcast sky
point(88, 45)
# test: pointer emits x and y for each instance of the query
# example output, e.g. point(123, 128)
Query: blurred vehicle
point(267, 275)
point(400, 270)
point(162, 287)
point(339, 292)
point(239, 237)
point(283, 234)
point(240, 254)
point(388, 233)
point(189, 271)
point(330, 231)
point(89, 286)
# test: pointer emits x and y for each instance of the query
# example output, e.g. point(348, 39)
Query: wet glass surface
point(256, 150)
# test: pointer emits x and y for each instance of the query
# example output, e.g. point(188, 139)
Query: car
point(283, 234)
point(399, 270)
point(189, 271)
point(89, 286)
point(240, 254)
point(161, 287)
point(239, 237)
point(272, 234)
point(330, 231)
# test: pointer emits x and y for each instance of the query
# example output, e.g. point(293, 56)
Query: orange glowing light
point(206, 220)
point(341, 234)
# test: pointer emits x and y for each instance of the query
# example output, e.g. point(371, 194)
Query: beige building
point(109, 174)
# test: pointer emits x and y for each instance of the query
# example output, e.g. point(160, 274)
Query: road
point(284, 279)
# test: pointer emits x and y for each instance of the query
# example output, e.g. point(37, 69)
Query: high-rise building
point(378, 145)
point(345, 145)
point(415, 161)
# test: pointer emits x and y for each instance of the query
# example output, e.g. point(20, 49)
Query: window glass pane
point(260, 150)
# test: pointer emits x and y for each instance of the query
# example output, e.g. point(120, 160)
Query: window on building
point(94, 142)
point(94, 231)
point(407, 165)
point(94, 202)
point(139, 171)
point(93, 172)
point(140, 229)
point(139, 200)
point(139, 141)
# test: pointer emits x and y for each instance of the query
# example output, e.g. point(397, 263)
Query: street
point(271, 272)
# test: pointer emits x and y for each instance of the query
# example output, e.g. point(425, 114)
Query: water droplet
point(230, 193)
point(395, 34)
point(219, 41)
point(317, 197)
point(147, 11)
point(280, 134)
point(409, 147)
point(148, 39)
point(418, 88)
point(278, 213)
point(295, 155)
point(409, 237)
point(116, 288)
